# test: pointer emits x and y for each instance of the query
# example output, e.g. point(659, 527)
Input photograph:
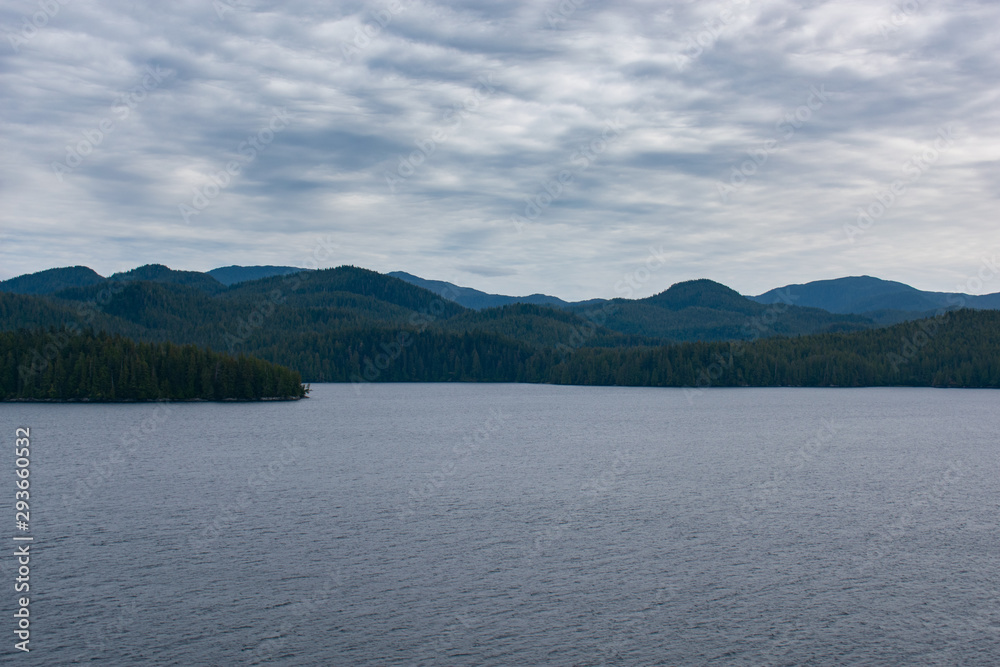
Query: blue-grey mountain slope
point(473, 298)
point(868, 295)
point(230, 275)
point(51, 280)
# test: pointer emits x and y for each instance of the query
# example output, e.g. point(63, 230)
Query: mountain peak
point(164, 274)
point(702, 293)
point(854, 294)
point(230, 275)
point(52, 280)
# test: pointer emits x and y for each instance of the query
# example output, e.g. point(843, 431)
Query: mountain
point(51, 280)
point(353, 324)
point(473, 298)
point(707, 310)
point(156, 303)
point(701, 294)
point(351, 287)
point(868, 295)
point(159, 273)
point(230, 275)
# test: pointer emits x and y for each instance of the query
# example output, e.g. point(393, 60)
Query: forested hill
point(65, 366)
point(956, 349)
point(352, 324)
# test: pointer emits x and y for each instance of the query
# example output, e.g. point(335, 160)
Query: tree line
point(61, 365)
point(955, 349)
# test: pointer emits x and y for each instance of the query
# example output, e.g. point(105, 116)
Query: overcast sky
point(528, 147)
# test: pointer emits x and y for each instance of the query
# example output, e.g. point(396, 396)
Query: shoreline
point(153, 400)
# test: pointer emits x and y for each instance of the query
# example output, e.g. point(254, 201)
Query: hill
point(158, 273)
point(51, 280)
point(230, 275)
point(352, 324)
point(154, 303)
point(473, 298)
point(956, 349)
point(707, 310)
point(883, 298)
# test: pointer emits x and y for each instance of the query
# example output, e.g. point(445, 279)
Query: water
point(460, 524)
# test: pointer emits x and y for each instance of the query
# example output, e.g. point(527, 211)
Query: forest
point(353, 325)
point(956, 349)
point(60, 365)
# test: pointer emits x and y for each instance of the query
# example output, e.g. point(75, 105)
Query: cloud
point(419, 131)
point(489, 271)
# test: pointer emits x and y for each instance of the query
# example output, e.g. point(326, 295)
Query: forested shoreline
point(63, 365)
point(353, 325)
point(955, 349)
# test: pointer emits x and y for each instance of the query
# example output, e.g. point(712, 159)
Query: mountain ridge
point(353, 324)
point(884, 301)
point(866, 294)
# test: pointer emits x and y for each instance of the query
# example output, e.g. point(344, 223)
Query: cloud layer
point(541, 146)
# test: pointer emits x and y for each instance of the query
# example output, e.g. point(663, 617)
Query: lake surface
point(476, 524)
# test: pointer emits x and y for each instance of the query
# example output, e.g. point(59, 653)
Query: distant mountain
point(158, 273)
point(690, 310)
point(866, 295)
point(372, 294)
point(702, 294)
point(230, 275)
point(353, 324)
point(51, 280)
point(706, 310)
point(473, 298)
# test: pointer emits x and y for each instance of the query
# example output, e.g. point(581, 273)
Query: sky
point(519, 147)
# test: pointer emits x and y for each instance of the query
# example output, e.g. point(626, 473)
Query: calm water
point(516, 525)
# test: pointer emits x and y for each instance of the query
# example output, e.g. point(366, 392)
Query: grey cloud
point(687, 124)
